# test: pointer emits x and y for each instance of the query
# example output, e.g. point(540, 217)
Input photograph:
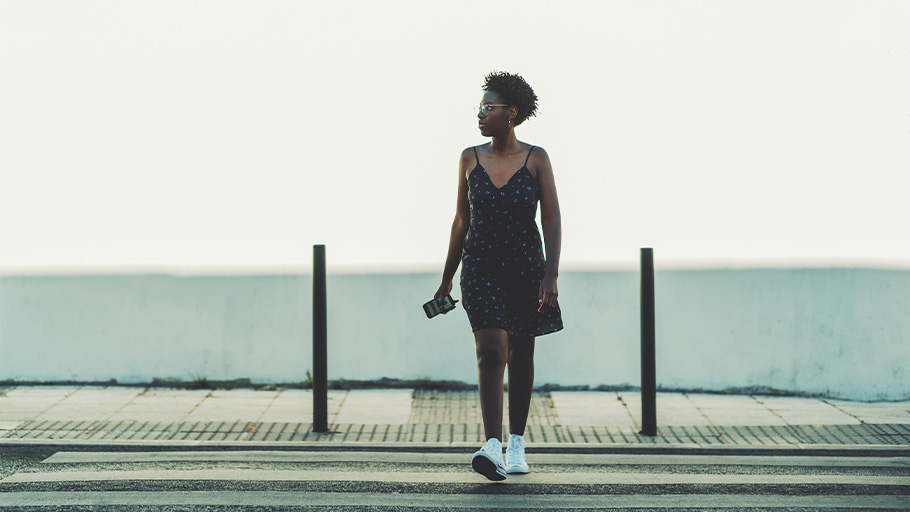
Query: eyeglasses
point(484, 108)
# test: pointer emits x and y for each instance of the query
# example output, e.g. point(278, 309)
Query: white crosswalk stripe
point(377, 480)
point(459, 458)
point(464, 477)
point(480, 501)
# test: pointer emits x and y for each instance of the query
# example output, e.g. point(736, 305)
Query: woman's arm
point(551, 222)
point(459, 227)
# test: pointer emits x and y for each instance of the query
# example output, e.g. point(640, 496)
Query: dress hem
point(510, 333)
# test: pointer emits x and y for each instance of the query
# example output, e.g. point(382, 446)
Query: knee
point(521, 354)
point(520, 358)
point(490, 358)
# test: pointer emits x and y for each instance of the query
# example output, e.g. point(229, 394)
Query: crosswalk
point(397, 480)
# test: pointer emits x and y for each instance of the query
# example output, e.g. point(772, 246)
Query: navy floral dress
point(503, 261)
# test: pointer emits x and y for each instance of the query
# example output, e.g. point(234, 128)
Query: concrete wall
point(838, 332)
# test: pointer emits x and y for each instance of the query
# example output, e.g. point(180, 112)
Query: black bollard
point(320, 335)
point(648, 373)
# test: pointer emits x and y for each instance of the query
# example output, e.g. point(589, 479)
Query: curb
point(460, 447)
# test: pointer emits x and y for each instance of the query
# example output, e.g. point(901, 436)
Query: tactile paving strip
point(463, 408)
point(897, 434)
point(454, 417)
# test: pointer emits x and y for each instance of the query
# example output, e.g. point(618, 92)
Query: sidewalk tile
point(24, 407)
point(376, 406)
point(27, 403)
point(197, 394)
point(589, 408)
point(90, 404)
point(245, 394)
point(177, 402)
point(880, 412)
point(150, 412)
point(109, 393)
point(42, 391)
point(802, 411)
point(226, 411)
point(290, 415)
point(731, 410)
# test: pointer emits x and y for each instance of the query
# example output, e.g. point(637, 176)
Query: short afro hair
point(513, 90)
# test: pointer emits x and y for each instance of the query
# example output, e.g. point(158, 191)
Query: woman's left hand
point(547, 292)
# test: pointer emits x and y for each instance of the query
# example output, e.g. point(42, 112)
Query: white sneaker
point(515, 456)
point(488, 460)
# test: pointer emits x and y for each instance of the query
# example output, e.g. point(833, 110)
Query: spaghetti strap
point(529, 155)
point(476, 160)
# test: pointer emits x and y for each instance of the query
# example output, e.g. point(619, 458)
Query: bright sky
point(211, 135)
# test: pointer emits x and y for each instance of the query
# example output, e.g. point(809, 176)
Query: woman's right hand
point(444, 289)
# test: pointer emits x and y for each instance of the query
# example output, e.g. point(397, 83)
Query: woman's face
point(496, 120)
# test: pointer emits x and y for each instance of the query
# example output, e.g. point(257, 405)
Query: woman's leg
point(492, 354)
point(521, 382)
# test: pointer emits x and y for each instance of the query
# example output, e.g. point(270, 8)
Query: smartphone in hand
point(437, 306)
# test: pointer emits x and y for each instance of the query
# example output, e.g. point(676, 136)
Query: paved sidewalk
point(125, 415)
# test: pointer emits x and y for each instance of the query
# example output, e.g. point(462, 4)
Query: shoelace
point(515, 454)
point(491, 448)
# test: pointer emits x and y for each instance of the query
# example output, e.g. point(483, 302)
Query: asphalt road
point(165, 479)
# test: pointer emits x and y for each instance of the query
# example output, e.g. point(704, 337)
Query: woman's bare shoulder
point(468, 158)
point(539, 159)
point(538, 152)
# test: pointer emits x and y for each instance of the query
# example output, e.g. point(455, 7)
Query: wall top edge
point(568, 267)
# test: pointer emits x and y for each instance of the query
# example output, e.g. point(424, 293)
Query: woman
point(508, 288)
